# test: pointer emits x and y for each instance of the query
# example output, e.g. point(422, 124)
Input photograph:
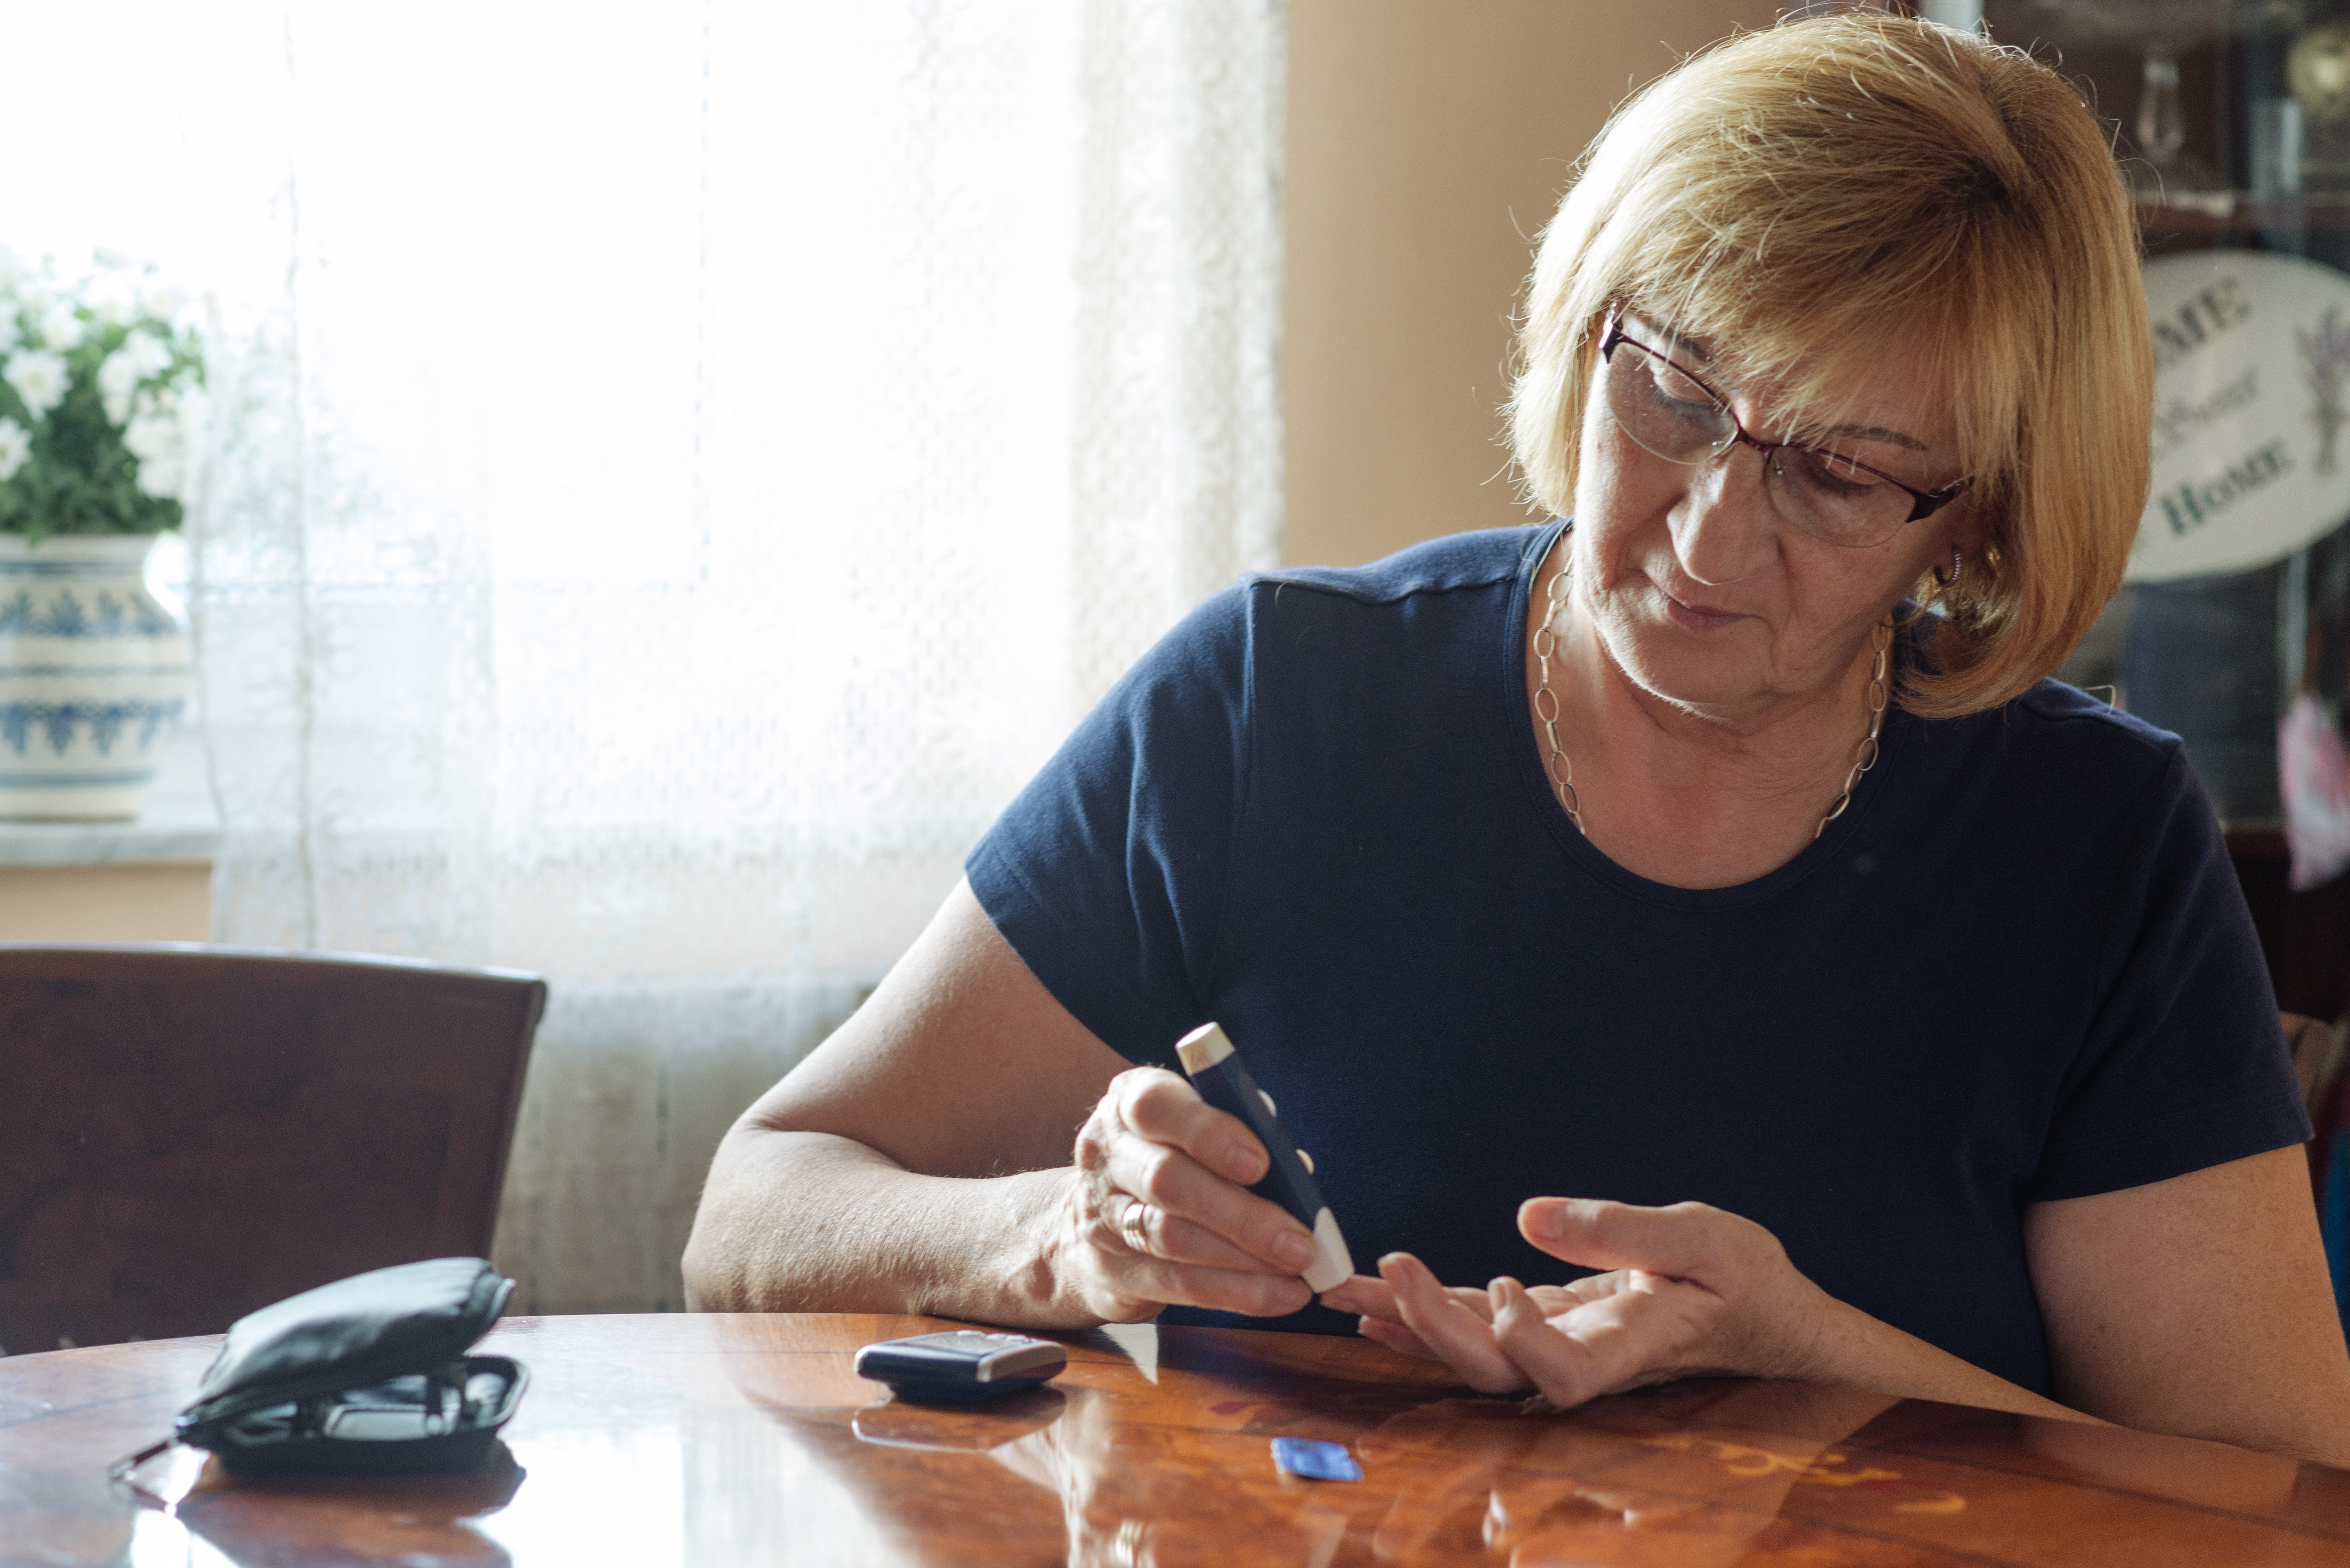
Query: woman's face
point(1704, 591)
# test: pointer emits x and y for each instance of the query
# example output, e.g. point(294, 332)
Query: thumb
point(1683, 1240)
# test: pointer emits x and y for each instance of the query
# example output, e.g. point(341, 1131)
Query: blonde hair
point(1808, 195)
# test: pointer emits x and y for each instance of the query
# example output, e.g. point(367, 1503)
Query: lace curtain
point(679, 474)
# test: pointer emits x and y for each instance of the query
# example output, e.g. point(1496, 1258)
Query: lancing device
point(1216, 1071)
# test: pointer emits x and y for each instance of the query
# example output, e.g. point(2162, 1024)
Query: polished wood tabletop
point(720, 1441)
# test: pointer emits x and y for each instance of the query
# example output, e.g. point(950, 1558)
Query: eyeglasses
point(1828, 494)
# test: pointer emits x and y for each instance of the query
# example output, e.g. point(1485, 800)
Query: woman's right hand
point(1158, 1212)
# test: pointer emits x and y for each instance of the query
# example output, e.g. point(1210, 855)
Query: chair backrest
point(2316, 1051)
point(188, 1133)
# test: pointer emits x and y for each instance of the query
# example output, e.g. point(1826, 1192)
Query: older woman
point(1893, 1007)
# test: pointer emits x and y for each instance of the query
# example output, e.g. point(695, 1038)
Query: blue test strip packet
point(1316, 1460)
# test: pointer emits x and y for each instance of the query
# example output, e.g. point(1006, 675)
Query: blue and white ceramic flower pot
point(94, 674)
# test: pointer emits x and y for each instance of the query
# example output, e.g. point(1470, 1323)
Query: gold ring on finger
point(1130, 1223)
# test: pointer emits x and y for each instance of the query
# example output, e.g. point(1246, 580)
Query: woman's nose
point(1723, 528)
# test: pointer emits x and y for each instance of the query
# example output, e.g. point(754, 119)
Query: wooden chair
point(188, 1133)
point(2316, 1050)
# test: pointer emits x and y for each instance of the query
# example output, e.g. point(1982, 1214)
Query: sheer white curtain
point(680, 469)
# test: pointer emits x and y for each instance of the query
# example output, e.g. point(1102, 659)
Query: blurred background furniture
point(2305, 935)
point(2317, 1060)
point(188, 1133)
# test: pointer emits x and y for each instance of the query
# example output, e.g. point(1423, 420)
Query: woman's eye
point(1827, 471)
point(1681, 397)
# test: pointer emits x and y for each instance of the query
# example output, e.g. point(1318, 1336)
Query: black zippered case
point(365, 1376)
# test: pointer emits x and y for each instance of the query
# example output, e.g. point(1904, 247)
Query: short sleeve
point(1107, 873)
point(2184, 1065)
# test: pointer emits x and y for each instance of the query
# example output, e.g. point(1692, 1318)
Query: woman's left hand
point(1690, 1291)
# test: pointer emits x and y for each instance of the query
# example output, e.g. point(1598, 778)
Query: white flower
point(150, 354)
point(153, 435)
point(61, 326)
point(168, 425)
point(157, 442)
point(113, 298)
point(156, 403)
point(10, 334)
point(165, 478)
point(141, 358)
point(13, 270)
point(15, 447)
point(118, 378)
point(164, 298)
point(39, 379)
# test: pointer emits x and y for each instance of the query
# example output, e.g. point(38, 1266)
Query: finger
point(1475, 1299)
point(1364, 1293)
point(1636, 1337)
point(1375, 1297)
point(1167, 1112)
point(1556, 1299)
point(1226, 1289)
point(1685, 1241)
point(1173, 1182)
point(1179, 1240)
point(1162, 1107)
point(1395, 1336)
point(1457, 1335)
point(1561, 1368)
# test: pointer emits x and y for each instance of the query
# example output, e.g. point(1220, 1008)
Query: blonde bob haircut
point(1808, 199)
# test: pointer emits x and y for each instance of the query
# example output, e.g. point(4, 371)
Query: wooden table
point(723, 1440)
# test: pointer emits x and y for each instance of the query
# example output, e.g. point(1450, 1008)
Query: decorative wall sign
point(2252, 411)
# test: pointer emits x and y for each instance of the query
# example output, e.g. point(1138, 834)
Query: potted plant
point(100, 394)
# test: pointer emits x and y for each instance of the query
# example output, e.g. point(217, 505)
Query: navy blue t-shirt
point(2018, 968)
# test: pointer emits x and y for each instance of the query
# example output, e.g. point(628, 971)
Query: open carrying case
point(368, 1375)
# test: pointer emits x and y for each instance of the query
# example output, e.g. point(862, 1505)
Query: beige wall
point(1428, 140)
point(150, 903)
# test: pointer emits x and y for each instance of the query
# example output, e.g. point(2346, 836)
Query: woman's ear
point(1971, 529)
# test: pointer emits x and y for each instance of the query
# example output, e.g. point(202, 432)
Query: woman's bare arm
point(2199, 1305)
point(964, 1146)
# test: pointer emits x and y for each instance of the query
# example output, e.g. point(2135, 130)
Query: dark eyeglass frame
point(1923, 502)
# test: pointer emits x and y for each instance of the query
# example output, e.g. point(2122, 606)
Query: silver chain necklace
point(1562, 770)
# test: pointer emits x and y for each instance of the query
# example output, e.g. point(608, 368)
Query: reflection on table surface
point(719, 1440)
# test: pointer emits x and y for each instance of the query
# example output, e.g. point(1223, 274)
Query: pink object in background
point(2313, 778)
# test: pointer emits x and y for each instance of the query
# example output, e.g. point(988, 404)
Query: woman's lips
point(1696, 618)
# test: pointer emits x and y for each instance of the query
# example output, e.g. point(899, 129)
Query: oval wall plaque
point(2252, 411)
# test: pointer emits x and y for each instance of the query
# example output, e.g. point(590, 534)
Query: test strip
point(1313, 1459)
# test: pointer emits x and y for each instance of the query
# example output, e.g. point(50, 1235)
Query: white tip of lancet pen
point(1202, 1049)
point(1333, 1265)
